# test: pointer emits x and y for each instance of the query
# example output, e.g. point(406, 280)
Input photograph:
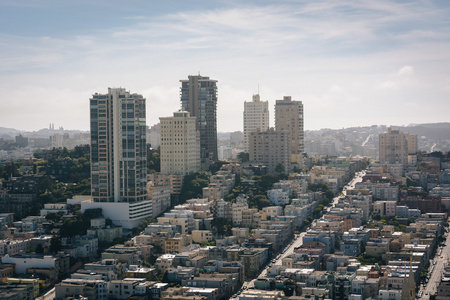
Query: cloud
point(338, 57)
point(405, 71)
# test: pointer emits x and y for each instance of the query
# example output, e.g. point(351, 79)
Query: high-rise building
point(395, 146)
point(118, 157)
point(180, 144)
point(289, 117)
point(256, 117)
point(270, 148)
point(154, 136)
point(199, 98)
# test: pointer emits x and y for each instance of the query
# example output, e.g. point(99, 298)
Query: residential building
point(154, 136)
point(199, 98)
point(289, 117)
point(180, 144)
point(160, 196)
point(91, 289)
point(394, 146)
point(119, 157)
point(278, 196)
point(256, 117)
point(183, 219)
point(270, 148)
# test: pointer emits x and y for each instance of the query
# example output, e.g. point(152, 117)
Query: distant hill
point(438, 131)
point(9, 133)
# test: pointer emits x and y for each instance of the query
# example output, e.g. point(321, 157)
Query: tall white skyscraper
point(256, 117)
point(118, 157)
point(180, 144)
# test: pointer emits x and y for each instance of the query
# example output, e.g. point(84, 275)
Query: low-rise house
point(164, 262)
point(23, 262)
point(123, 289)
point(278, 196)
point(177, 243)
point(31, 283)
point(200, 236)
point(134, 271)
point(179, 274)
point(377, 247)
point(131, 255)
point(14, 246)
point(58, 208)
point(91, 289)
point(351, 247)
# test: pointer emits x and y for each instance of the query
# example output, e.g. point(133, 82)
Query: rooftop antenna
point(258, 88)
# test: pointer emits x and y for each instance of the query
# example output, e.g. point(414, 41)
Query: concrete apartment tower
point(199, 98)
point(180, 144)
point(289, 117)
point(118, 157)
point(256, 117)
point(270, 148)
point(395, 146)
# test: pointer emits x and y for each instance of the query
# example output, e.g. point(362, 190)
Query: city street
point(298, 241)
point(435, 278)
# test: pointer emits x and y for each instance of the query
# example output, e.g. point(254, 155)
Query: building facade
point(270, 148)
point(289, 117)
point(180, 144)
point(256, 116)
point(395, 146)
point(118, 156)
point(199, 98)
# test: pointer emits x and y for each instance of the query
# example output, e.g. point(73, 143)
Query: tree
point(9, 169)
point(52, 216)
point(322, 187)
point(243, 157)
point(39, 249)
point(266, 182)
point(215, 166)
point(153, 159)
point(280, 168)
point(143, 225)
point(55, 245)
point(193, 185)
point(222, 226)
point(258, 201)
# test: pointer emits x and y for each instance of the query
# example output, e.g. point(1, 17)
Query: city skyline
point(351, 64)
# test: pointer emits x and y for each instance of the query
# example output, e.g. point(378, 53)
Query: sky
point(351, 63)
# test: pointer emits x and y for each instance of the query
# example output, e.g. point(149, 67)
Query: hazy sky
point(352, 63)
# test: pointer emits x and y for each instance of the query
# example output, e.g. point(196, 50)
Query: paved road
point(435, 277)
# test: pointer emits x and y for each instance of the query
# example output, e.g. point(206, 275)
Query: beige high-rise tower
point(289, 117)
point(270, 148)
point(180, 144)
point(395, 146)
point(256, 117)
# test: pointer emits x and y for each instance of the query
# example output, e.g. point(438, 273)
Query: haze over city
point(352, 64)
